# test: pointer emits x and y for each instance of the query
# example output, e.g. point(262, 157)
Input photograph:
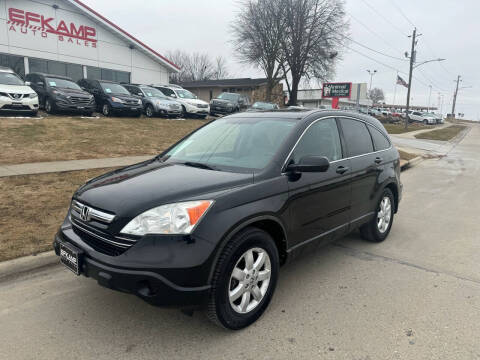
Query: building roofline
point(79, 4)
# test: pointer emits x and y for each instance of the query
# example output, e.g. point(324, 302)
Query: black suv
point(60, 93)
point(112, 98)
point(228, 103)
point(210, 220)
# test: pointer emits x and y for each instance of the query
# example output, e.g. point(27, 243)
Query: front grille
point(16, 96)
point(202, 106)
point(131, 102)
point(100, 241)
point(77, 100)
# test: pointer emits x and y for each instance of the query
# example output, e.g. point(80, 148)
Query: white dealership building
point(66, 37)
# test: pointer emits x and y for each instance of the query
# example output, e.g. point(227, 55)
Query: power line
point(389, 22)
point(402, 13)
point(375, 51)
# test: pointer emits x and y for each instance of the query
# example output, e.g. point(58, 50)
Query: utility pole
point(455, 96)
point(429, 98)
point(412, 61)
point(371, 78)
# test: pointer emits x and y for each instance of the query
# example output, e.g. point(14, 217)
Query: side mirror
point(27, 83)
point(40, 83)
point(173, 95)
point(310, 163)
point(140, 94)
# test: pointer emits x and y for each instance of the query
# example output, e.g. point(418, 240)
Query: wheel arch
point(268, 223)
point(394, 189)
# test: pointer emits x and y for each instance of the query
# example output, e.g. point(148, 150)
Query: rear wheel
point(379, 227)
point(184, 112)
point(244, 279)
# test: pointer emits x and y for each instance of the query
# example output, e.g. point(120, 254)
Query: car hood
point(195, 101)
point(222, 102)
point(72, 92)
point(130, 191)
point(18, 89)
point(165, 101)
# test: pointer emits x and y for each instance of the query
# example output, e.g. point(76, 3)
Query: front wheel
point(149, 111)
point(244, 280)
point(49, 106)
point(106, 110)
point(379, 227)
point(425, 122)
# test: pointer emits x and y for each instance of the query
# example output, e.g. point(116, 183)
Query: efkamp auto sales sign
point(33, 24)
point(336, 90)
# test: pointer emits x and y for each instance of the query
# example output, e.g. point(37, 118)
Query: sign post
point(335, 91)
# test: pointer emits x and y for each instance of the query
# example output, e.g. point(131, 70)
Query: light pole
point(429, 98)
point(371, 72)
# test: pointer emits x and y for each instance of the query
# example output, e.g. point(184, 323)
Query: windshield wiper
point(198, 165)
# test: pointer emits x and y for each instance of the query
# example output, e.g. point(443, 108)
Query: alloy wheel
point(384, 214)
point(249, 280)
point(149, 111)
point(106, 110)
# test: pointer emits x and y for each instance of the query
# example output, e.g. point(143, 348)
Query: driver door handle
point(342, 169)
point(378, 160)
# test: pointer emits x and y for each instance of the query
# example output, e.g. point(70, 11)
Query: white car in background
point(191, 104)
point(426, 118)
point(15, 95)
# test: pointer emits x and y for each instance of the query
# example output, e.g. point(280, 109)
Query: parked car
point(60, 93)
point(210, 220)
point(438, 118)
point(191, 104)
point(15, 94)
point(263, 106)
point(374, 112)
point(228, 103)
point(426, 118)
point(154, 101)
point(112, 98)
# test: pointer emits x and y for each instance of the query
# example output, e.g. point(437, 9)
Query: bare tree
point(220, 70)
point(313, 36)
point(197, 66)
point(376, 95)
point(257, 34)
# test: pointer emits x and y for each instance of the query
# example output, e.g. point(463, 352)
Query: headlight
point(115, 99)
point(33, 95)
point(179, 218)
point(139, 102)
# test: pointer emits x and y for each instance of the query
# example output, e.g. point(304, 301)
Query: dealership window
point(107, 74)
point(13, 62)
point(73, 71)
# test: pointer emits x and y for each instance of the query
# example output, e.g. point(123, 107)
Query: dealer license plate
point(70, 257)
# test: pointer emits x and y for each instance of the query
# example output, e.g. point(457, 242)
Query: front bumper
point(221, 110)
point(198, 111)
point(23, 105)
point(169, 112)
point(67, 106)
point(126, 108)
point(152, 283)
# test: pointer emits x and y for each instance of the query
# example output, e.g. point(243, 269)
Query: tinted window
point(357, 137)
point(321, 139)
point(167, 92)
point(379, 140)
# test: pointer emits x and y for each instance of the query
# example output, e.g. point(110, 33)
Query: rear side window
point(167, 92)
point(357, 137)
point(321, 139)
point(379, 140)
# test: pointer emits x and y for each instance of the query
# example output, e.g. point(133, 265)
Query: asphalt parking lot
point(415, 296)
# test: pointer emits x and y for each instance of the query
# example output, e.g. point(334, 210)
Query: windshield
point(62, 83)
point(10, 79)
point(110, 88)
point(152, 92)
point(228, 96)
point(233, 144)
point(185, 94)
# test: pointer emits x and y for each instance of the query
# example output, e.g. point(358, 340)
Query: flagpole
point(395, 91)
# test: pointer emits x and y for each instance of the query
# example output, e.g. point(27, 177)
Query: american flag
point(402, 82)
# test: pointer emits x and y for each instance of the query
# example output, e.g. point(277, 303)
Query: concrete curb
point(19, 266)
point(411, 163)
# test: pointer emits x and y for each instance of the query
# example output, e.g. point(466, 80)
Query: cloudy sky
point(449, 30)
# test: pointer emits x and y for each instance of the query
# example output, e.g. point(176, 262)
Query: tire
point(184, 112)
point(227, 311)
point(106, 110)
point(49, 106)
point(149, 111)
point(425, 122)
point(373, 231)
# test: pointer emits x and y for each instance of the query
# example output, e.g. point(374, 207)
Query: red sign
point(33, 23)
